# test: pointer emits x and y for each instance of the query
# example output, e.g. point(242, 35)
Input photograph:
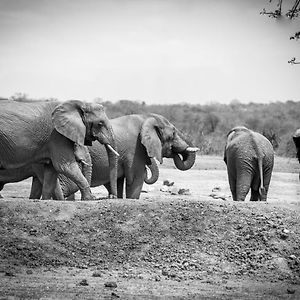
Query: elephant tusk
point(85, 163)
point(112, 150)
point(192, 149)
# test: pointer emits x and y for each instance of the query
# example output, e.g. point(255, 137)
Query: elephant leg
point(58, 193)
point(243, 184)
point(232, 185)
point(120, 186)
point(36, 188)
point(50, 178)
point(71, 197)
point(134, 182)
point(255, 196)
point(267, 179)
point(73, 172)
point(64, 162)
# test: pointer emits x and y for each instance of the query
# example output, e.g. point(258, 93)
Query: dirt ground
point(188, 240)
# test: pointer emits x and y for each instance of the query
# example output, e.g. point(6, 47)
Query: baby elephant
point(249, 157)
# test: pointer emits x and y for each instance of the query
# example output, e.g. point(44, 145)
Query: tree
point(291, 12)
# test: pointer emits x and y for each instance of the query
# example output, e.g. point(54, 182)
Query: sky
point(156, 51)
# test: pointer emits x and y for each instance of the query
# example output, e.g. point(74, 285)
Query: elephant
point(36, 171)
point(53, 134)
point(140, 139)
point(249, 157)
point(296, 139)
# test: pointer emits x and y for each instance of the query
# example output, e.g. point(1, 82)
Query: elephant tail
point(260, 156)
point(260, 167)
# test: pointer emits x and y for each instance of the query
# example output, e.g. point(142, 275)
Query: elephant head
point(82, 123)
point(163, 139)
point(296, 139)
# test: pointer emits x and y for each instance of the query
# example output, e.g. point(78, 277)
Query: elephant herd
point(55, 143)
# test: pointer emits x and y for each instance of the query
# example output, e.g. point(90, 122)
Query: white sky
point(157, 51)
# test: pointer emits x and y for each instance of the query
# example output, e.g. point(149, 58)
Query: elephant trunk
point(187, 161)
point(153, 167)
point(184, 155)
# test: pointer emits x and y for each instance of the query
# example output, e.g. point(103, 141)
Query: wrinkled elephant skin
point(47, 133)
point(250, 158)
point(139, 140)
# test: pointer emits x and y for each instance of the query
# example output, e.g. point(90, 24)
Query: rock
point(110, 284)
point(291, 291)
point(83, 282)
point(114, 295)
point(216, 189)
point(164, 189)
point(168, 183)
point(174, 190)
point(184, 192)
point(96, 274)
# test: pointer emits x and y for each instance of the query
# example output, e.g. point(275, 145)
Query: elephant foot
point(111, 196)
point(86, 195)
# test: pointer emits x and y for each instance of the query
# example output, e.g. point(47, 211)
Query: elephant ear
point(150, 138)
point(67, 120)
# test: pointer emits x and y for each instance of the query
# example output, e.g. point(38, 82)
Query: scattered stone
point(219, 196)
point(216, 189)
point(184, 192)
point(291, 291)
point(164, 189)
point(83, 282)
point(110, 284)
point(9, 273)
point(157, 278)
point(33, 231)
point(96, 274)
point(168, 183)
point(284, 234)
point(114, 295)
point(29, 272)
point(173, 190)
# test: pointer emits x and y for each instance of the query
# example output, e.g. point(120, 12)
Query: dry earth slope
point(176, 239)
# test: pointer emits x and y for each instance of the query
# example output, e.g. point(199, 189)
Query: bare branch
point(294, 12)
point(296, 36)
point(293, 61)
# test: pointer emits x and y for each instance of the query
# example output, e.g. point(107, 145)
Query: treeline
point(207, 125)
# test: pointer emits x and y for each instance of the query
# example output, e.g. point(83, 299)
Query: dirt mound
point(176, 239)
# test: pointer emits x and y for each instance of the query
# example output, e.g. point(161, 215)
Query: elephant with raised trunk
point(249, 157)
point(140, 139)
point(53, 134)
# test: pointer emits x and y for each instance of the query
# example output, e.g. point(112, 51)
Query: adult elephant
point(139, 139)
point(296, 139)
point(54, 134)
point(250, 158)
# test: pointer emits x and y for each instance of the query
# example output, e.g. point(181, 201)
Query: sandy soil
point(195, 245)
